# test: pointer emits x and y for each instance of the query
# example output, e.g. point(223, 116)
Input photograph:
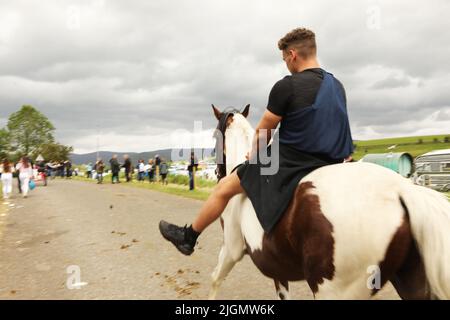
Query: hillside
point(134, 156)
point(414, 145)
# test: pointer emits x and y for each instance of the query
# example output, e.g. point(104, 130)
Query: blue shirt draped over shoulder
point(323, 127)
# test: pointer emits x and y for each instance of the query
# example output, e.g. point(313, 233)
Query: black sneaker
point(178, 236)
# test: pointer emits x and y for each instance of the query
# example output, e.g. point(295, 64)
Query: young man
point(310, 106)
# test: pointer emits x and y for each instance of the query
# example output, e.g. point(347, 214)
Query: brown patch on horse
point(301, 246)
point(396, 252)
point(403, 265)
point(318, 241)
point(410, 280)
point(229, 120)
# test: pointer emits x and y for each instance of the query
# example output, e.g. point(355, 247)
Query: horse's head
point(234, 136)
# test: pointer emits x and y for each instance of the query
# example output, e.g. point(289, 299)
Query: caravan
point(433, 170)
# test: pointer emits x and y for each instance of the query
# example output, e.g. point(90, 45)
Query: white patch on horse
point(238, 142)
point(233, 237)
point(250, 226)
point(283, 293)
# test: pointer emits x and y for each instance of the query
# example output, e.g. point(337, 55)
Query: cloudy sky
point(136, 75)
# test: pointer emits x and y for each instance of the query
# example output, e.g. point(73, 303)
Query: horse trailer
point(433, 170)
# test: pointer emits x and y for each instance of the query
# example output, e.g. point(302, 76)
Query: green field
point(413, 145)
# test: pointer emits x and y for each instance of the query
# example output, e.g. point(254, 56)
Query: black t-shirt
point(296, 91)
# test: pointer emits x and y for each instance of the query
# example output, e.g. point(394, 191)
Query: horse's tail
point(429, 213)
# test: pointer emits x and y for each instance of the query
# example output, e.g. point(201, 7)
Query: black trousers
point(271, 194)
point(115, 175)
point(19, 184)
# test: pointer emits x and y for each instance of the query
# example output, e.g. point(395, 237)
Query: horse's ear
point(245, 111)
point(217, 113)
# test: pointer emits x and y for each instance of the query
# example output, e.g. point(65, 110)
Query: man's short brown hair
point(300, 39)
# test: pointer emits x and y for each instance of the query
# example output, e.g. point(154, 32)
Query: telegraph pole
point(98, 142)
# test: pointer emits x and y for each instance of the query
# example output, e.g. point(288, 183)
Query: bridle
point(221, 170)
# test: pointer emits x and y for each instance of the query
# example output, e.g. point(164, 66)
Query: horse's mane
point(241, 121)
point(238, 119)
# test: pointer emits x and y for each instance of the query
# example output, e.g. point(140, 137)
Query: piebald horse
point(345, 224)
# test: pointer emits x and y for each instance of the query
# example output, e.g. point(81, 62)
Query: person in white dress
point(25, 174)
point(7, 170)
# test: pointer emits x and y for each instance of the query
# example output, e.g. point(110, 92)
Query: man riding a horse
point(310, 106)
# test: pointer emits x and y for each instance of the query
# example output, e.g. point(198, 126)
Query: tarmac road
point(79, 240)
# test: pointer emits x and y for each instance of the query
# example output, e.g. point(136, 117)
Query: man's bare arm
point(268, 121)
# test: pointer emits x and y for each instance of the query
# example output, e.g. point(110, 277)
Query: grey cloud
point(392, 82)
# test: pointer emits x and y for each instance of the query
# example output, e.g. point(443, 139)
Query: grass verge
point(200, 193)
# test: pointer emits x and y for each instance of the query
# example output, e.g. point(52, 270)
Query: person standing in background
point(151, 170)
point(25, 174)
point(128, 167)
point(68, 167)
point(163, 170)
point(52, 169)
point(7, 178)
point(192, 167)
point(99, 168)
point(61, 169)
point(141, 170)
point(115, 168)
point(157, 163)
point(89, 170)
point(147, 168)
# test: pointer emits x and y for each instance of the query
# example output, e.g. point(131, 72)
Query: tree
point(28, 129)
point(4, 143)
point(53, 151)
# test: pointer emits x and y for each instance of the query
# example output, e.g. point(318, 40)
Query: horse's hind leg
point(282, 289)
point(410, 281)
point(223, 268)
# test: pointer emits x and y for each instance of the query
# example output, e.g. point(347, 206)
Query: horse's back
point(362, 195)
